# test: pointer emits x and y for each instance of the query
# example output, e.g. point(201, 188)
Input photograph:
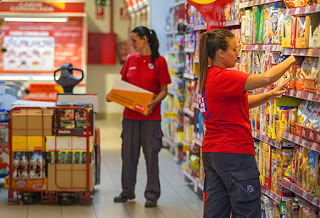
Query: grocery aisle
point(177, 199)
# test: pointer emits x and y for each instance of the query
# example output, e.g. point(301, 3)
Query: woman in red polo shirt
point(232, 177)
point(148, 70)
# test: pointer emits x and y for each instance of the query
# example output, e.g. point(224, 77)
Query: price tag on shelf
point(314, 201)
point(292, 187)
point(307, 10)
point(303, 142)
point(305, 52)
point(291, 93)
point(317, 7)
point(304, 194)
point(297, 11)
point(299, 94)
point(314, 146)
point(310, 96)
point(290, 137)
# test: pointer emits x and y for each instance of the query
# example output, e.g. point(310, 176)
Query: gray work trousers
point(148, 135)
point(232, 184)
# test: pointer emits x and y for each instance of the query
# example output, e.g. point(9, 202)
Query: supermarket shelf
point(192, 179)
point(200, 27)
point(189, 76)
point(300, 141)
point(175, 32)
point(303, 10)
point(188, 112)
point(231, 23)
point(200, 185)
point(261, 47)
point(169, 142)
point(181, 3)
point(189, 50)
point(175, 52)
point(274, 196)
point(266, 139)
point(256, 2)
point(310, 52)
point(173, 93)
point(299, 191)
point(298, 94)
point(197, 141)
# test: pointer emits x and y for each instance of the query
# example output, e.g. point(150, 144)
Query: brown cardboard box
point(303, 31)
point(27, 184)
point(70, 177)
point(32, 122)
point(68, 143)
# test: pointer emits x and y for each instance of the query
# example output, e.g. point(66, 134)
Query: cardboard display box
point(32, 122)
point(68, 143)
point(28, 143)
point(70, 177)
point(303, 31)
point(130, 96)
point(27, 184)
point(73, 122)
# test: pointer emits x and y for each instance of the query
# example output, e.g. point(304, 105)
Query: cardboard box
point(303, 31)
point(70, 177)
point(28, 143)
point(68, 143)
point(293, 27)
point(27, 184)
point(73, 122)
point(32, 122)
point(314, 40)
point(286, 31)
point(130, 96)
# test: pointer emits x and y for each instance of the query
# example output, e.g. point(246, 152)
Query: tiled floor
point(177, 199)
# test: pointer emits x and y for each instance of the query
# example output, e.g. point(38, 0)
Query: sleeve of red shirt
point(124, 69)
point(164, 76)
point(234, 82)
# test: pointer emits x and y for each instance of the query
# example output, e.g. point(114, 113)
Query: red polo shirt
point(140, 71)
point(225, 108)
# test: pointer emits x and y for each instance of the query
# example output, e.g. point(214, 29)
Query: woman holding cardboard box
point(148, 70)
point(232, 177)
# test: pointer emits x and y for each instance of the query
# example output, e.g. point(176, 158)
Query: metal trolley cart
point(54, 154)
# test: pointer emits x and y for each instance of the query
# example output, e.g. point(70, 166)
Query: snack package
point(267, 25)
point(298, 168)
point(286, 31)
point(313, 121)
point(312, 171)
point(24, 160)
point(304, 75)
point(274, 178)
point(304, 167)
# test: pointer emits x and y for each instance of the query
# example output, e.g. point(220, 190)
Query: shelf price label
point(307, 9)
point(297, 11)
point(314, 201)
point(318, 7)
point(292, 187)
point(304, 194)
point(290, 137)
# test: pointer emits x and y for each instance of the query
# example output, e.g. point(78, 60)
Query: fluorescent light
point(36, 19)
point(14, 78)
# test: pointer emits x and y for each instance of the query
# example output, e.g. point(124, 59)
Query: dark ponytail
point(152, 39)
point(210, 43)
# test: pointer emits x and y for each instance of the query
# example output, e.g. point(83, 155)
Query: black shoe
point(151, 203)
point(121, 198)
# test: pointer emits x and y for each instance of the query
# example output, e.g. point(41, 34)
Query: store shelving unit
point(256, 2)
point(300, 192)
point(303, 10)
point(266, 139)
point(308, 52)
point(231, 23)
point(261, 47)
point(300, 141)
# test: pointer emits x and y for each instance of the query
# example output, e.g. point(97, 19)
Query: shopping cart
point(52, 156)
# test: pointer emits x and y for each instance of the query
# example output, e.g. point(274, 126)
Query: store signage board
point(41, 47)
point(211, 10)
point(42, 7)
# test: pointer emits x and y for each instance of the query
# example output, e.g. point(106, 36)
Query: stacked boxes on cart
point(4, 142)
point(50, 148)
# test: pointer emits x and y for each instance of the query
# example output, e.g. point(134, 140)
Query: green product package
point(256, 23)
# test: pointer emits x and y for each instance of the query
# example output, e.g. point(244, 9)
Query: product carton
point(31, 122)
point(70, 177)
point(302, 31)
point(286, 31)
point(73, 122)
point(68, 143)
point(130, 96)
point(314, 40)
point(28, 143)
point(27, 184)
point(293, 31)
point(274, 178)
